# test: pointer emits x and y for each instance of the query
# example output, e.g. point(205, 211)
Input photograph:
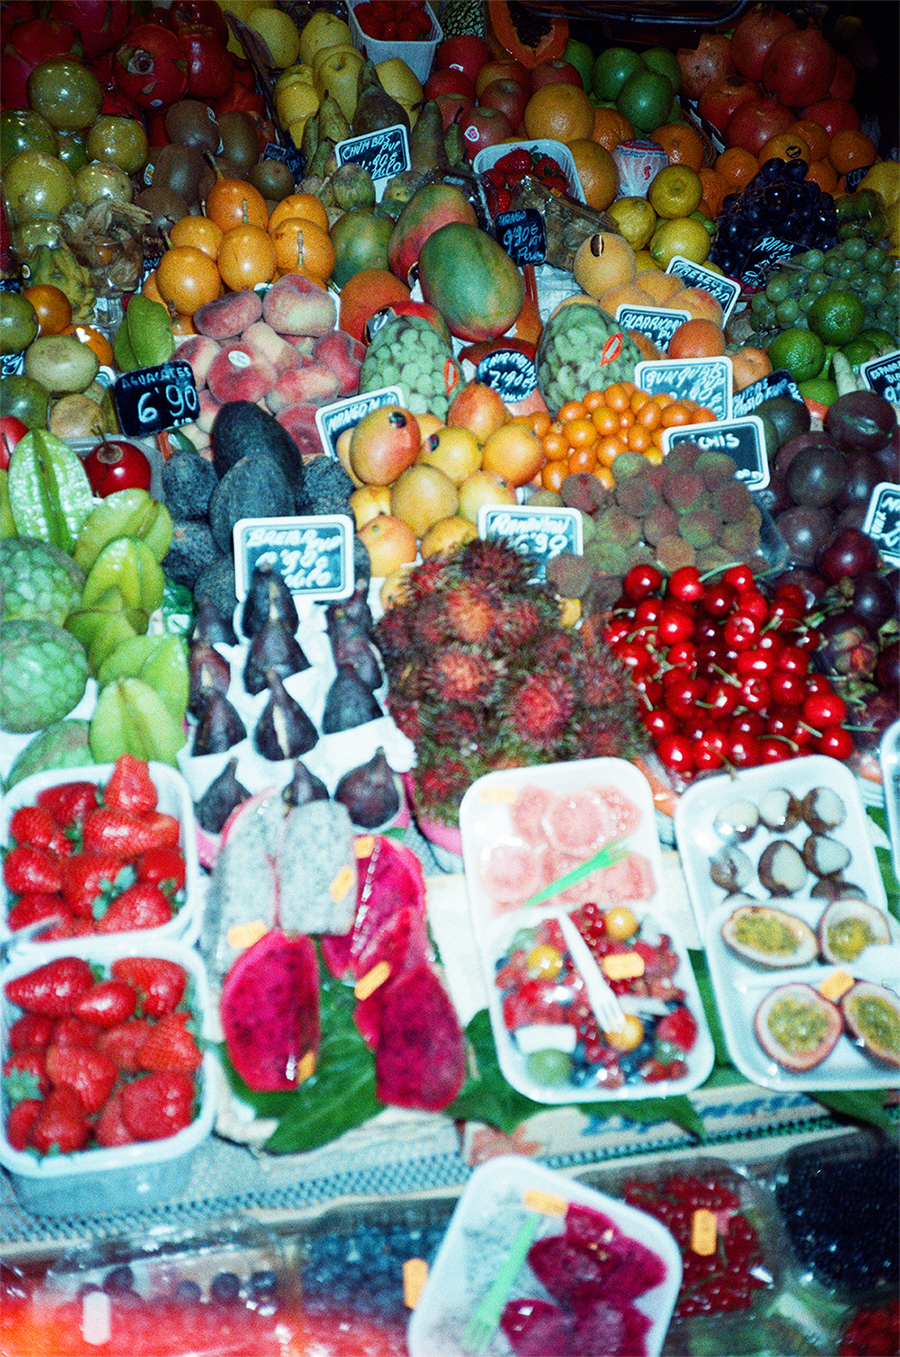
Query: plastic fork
point(608, 856)
point(607, 1009)
point(486, 1319)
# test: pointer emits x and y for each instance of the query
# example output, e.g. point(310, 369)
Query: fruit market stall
point(449, 699)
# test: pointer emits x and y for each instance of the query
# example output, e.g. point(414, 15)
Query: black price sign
point(510, 372)
point(656, 322)
point(523, 235)
point(152, 399)
point(539, 531)
point(763, 255)
point(313, 555)
point(288, 155)
point(882, 521)
point(882, 375)
point(725, 290)
point(707, 380)
point(332, 420)
point(383, 153)
point(778, 383)
point(742, 439)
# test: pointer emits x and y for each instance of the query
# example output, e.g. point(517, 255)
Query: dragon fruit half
point(270, 1011)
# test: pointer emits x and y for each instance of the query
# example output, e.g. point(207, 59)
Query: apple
point(507, 96)
point(466, 51)
point(718, 101)
point(483, 127)
point(555, 73)
point(449, 80)
point(499, 70)
point(116, 465)
point(12, 431)
point(452, 106)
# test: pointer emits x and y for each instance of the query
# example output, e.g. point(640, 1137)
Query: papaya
point(471, 280)
point(516, 30)
point(430, 207)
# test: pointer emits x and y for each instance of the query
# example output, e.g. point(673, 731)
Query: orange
point(681, 143)
point(786, 146)
point(697, 339)
point(183, 325)
point(815, 136)
point(52, 306)
point(302, 245)
point(187, 279)
point(150, 289)
point(299, 205)
point(232, 202)
point(514, 452)
point(246, 257)
point(851, 150)
point(560, 112)
point(611, 128)
point(597, 172)
point(738, 166)
point(715, 186)
point(390, 543)
point(96, 340)
point(820, 172)
point(200, 232)
point(748, 365)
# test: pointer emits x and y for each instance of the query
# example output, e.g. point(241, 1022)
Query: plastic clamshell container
point(124, 1177)
point(488, 1217)
point(488, 157)
point(419, 56)
point(174, 799)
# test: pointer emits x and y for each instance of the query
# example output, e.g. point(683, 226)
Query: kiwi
point(180, 168)
point(192, 123)
point(240, 142)
point(273, 179)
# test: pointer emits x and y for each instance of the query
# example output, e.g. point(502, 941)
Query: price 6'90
point(182, 401)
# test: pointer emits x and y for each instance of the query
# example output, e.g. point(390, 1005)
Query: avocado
point(255, 487)
point(242, 429)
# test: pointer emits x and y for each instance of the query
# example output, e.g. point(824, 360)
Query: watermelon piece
point(270, 1010)
point(630, 879)
point(527, 813)
point(537, 1328)
point(420, 1058)
point(511, 870)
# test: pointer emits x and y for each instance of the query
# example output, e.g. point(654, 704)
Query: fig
point(207, 670)
point(848, 926)
point(823, 810)
point(274, 646)
point(268, 597)
point(770, 937)
point(223, 795)
point(797, 1026)
point(872, 1015)
point(738, 821)
point(370, 792)
point(781, 868)
point(283, 731)
point(219, 727)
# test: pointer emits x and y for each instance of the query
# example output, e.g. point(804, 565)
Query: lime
point(580, 55)
point(681, 235)
point(836, 316)
point(859, 351)
point(19, 324)
point(801, 352)
point(880, 338)
point(612, 68)
point(549, 1066)
point(646, 100)
point(664, 61)
point(635, 219)
point(821, 389)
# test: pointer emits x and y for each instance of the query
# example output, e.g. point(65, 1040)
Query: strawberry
point(171, 1046)
point(130, 786)
point(92, 879)
point(52, 988)
point(123, 1043)
point(30, 1030)
point(164, 866)
point(25, 1075)
point(125, 836)
point(34, 906)
point(159, 982)
point(108, 1003)
point(69, 802)
point(139, 906)
point(27, 870)
point(36, 827)
point(92, 1074)
point(678, 1028)
point(72, 1031)
point(20, 1121)
point(61, 1124)
point(158, 1104)
point(110, 1128)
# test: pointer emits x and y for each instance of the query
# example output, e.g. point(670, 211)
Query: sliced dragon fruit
point(537, 1328)
point(420, 1058)
point(632, 1268)
point(270, 1011)
point(389, 879)
point(610, 1326)
point(566, 1269)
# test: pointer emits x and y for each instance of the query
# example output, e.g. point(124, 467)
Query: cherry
point(641, 581)
point(824, 709)
point(685, 584)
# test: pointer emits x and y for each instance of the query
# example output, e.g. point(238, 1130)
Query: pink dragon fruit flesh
point(270, 1011)
point(420, 1058)
point(537, 1328)
point(389, 879)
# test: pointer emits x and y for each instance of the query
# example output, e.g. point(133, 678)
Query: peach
point(264, 340)
point(699, 303)
point(294, 305)
point(300, 421)
point(228, 316)
point(209, 408)
point(240, 374)
point(199, 351)
point(343, 355)
point(313, 385)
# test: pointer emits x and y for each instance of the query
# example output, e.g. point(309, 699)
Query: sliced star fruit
point(125, 513)
point(130, 718)
point(114, 633)
point(50, 496)
point(127, 564)
point(87, 619)
point(159, 660)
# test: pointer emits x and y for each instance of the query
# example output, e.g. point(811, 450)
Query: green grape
point(833, 264)
point(766, 313)
point(757, 302)
point(849, 268)
point(886, 315)
point(817, 282)
point(779, 287)
point(873, 290)
point(787, 312)
point(848, 230)
point(549, 1067)
point(855, 248)
point(874, 258)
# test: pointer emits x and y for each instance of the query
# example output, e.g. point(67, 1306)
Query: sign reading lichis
point(313, 555)
point(383, 153)
point(523, 235)
point(332, 420)
point(725, 290)
point(540, 531)
point(149, 400)
point(705, 380)
point(742, 439)
point(658, 323)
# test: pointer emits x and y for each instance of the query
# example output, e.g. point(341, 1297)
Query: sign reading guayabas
point(882, 375)
point(332, 420)
point(383, 153)
point(149, 400)
point(706, 380)
point(540, 531)
point(523, 235)
point(313, 555)
point(510, 372)
point(777, 383)
point(725, 290)
point(882, 520)
point(288, 155)
point(658, 323)
point(742, 439)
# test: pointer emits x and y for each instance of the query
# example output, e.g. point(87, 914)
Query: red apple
point(499, 70)
point(835, 115)
point(717, 102)
point(453, 106)
point(508, 97)
point(12, 431)
point(449, 80)
point(555, 73)
point(483, 127)
point(465, 51)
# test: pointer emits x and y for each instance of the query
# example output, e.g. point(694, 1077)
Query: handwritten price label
point(332, 420)
point(383, 153)
point(313, 555)
point(152, 399)
point(523, 235)
point(707, 380)
point(511, 373)
point(539, 531)
point(725, 290)
point(742, 439)
point(658, 323)
point(882, 521)
point(882, 375)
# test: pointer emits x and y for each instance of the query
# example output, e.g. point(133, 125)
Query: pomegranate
point(754, 122)
point(151, 66)
point(718, 102)
point(100, 23)
point(835, 115)
point(799, 67)
point(706, 64)
point(844, 80)
point(754, 35)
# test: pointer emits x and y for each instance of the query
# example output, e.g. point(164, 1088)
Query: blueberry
point(118, 1279)
point(263, 1284)
point(225, 1288)
point(188, 1292)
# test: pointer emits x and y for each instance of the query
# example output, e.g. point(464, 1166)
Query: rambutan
point(406, 716)
point(519, 622)
point(460, 675)
point(540, 707)
point(493, 560)
point(470, 612)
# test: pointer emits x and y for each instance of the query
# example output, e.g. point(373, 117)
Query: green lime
point(549, 1067)
point(801, 352)
point(612, 68)
point(821, 389)
point(837, 316)
point(646, 100)
point(859, 351)
point(664, 61)
point(582, 58)
point(19, 324)
point(880, 338)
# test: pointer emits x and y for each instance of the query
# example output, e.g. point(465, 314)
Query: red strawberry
point(170, 1046)
point(654, 1071)
point(107, 830)
point(158, 1104)
point(130, 786)
point(29, 909)
point(159, 982)
point(36, 827)
point(61, 1124)
point(140, 906)
point(91, 1073)
point(30, 1030)
point(25, 1075)
point(108, 1003)
point(678, 1028)
point(69, 802)
point(52, 988)
point(110, 1128)
point(20, 1121)
point(27, 870)
point(123, 1043)
point(92, 879)
point(72, 1031)
point(163, 866)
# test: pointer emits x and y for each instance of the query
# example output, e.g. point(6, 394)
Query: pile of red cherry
point(394, 20)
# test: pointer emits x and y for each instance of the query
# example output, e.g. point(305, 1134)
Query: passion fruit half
point(848, 926)
point(872, 1015)
point(797, 1026)
point(770, 937)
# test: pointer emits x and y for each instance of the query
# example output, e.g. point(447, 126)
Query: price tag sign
point(540, 531)
point(725, 290)
point(383, 154)
point(763, 255)
point(510, 372)
point(778, 383)
point(332, 420)
point(882, 375)
point(313, 555)
point(656, 322)
point(152, 399)
point(523, 235)
point(882, 520)
point(742, 439)
point(291, 156)
point(707, 380)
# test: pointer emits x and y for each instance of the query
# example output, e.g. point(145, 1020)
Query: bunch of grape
point(776, 203)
